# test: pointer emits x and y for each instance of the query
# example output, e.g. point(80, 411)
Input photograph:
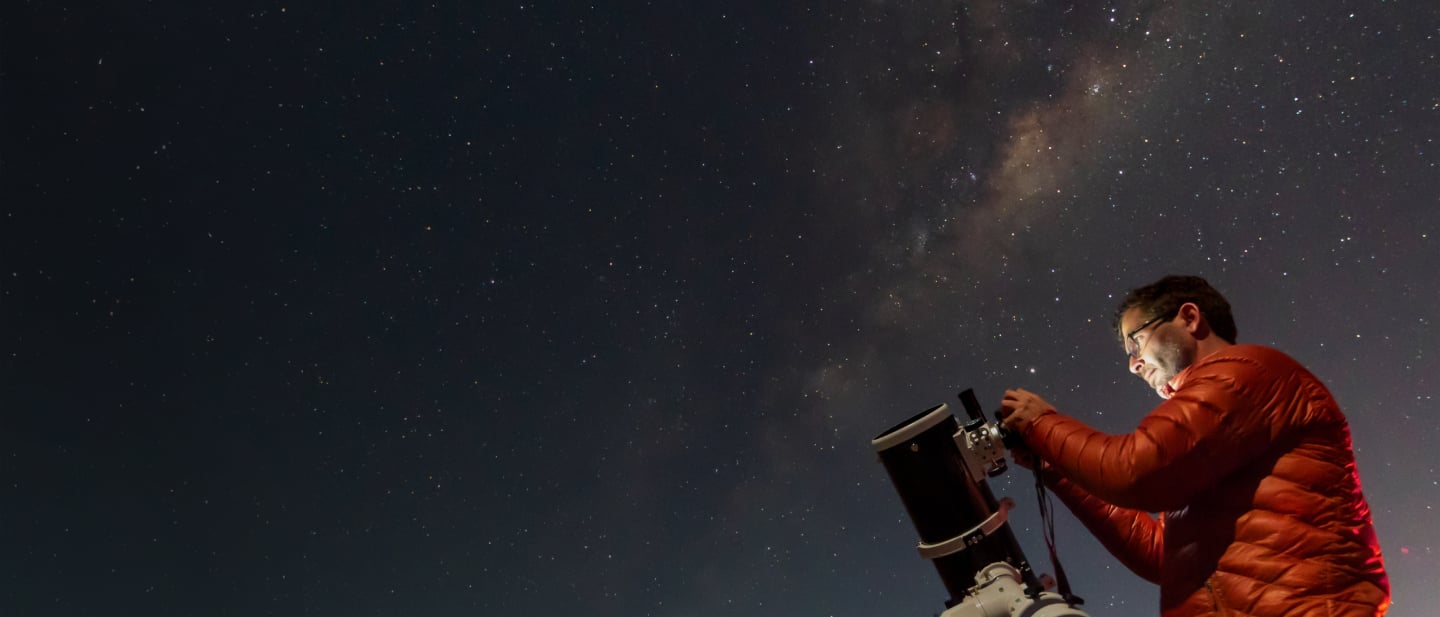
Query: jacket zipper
point(1215, 598)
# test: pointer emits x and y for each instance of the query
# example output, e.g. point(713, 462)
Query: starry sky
point(377, 308)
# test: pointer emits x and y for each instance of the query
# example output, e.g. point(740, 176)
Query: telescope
point(940, 469)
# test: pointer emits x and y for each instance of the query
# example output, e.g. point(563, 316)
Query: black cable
point(1047, 530)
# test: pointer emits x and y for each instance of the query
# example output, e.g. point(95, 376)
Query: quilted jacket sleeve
point(1131, 536)
point(1214, 424)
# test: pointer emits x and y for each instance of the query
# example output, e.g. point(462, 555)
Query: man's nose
point(1136, 363)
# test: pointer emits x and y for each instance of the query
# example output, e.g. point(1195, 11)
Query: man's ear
point(1194, 320)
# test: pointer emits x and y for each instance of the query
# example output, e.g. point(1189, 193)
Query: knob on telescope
point(978, 428)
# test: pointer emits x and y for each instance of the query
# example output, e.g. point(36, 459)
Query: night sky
point(474, 309)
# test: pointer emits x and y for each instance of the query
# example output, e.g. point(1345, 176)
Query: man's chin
point(1165, 391)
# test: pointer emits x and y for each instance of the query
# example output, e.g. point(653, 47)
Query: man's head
point(1167, 325)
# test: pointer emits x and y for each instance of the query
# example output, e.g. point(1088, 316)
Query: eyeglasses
point(1134, 348)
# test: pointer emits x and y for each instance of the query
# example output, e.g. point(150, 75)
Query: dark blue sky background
point(561, 309)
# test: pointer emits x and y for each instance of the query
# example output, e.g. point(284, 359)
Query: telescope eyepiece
point(972, 405)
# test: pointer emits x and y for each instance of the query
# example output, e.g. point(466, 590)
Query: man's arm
point(1131, 536)
point(1209, 428)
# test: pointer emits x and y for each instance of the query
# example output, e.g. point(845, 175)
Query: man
point(1248, 461)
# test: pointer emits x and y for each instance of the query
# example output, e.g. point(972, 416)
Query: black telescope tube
point(943, 501)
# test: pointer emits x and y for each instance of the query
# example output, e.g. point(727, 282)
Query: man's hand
point(1024, 457)
point(1020, 408)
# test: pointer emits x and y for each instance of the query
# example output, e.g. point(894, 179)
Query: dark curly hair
point(1165, 296)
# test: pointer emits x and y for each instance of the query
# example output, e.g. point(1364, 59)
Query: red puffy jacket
point(1250, 463)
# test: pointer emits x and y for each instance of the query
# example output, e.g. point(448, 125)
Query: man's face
point(1159, 350)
